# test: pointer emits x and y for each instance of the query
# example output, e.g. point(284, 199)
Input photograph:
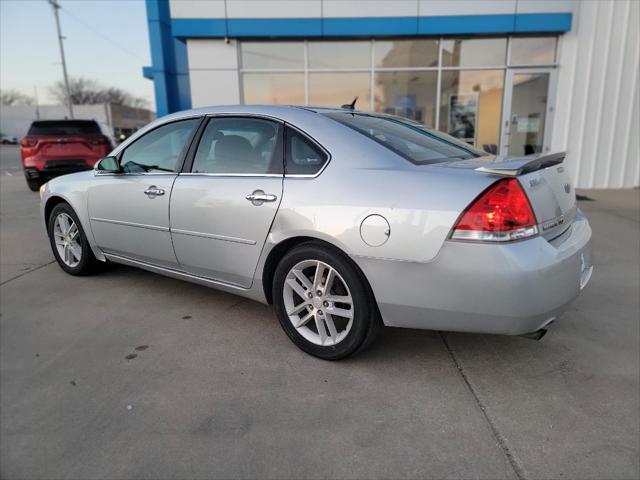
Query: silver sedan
point(344, 220)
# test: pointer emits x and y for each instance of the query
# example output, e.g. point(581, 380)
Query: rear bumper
point(56, 168)
point(510, 289)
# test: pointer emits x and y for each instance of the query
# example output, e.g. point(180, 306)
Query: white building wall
point(213, 72)
point(597, 107)
point(358, 8)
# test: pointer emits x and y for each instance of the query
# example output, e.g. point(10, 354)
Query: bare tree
point(14, 97)
point(85, 91)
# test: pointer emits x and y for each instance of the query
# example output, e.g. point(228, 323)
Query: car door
point(129, 210)
point(223, 205)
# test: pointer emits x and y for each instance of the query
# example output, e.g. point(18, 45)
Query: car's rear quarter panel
point(420, 203)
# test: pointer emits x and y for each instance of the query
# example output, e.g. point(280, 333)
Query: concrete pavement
point(212, 388)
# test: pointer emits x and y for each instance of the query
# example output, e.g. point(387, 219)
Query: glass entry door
point(527, 111)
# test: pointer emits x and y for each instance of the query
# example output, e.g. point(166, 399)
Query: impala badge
point(567, 187)
point(553, 223)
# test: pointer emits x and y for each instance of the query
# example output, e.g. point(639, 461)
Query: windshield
point(408, 139)
point(64, 127)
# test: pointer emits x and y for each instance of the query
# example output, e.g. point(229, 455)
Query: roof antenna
point(350, 106)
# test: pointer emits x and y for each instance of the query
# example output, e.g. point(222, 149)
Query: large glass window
point(474, 52)
point(406, 53)
point(339, 55)
point(272, 54)
point(471, 106)
point(407, 94)
point(239, 145)
point(273, 88)
point(533, 51)
point(159, 150)
point(453, 84)
point(335, 89)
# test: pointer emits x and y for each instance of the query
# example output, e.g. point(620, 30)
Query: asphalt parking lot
point(132, 375)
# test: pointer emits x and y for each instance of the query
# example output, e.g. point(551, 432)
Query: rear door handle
point(153, 191)
point(258, 197)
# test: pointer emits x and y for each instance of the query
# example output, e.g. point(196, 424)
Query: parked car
point(7, 140)
point(56, 147)
point(344, 220)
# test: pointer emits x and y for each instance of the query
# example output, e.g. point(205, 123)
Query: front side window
point(159, 150)
point(303, 156)
point(408, 139)
point(239, 146)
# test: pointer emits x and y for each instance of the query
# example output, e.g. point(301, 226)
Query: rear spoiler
point(518, 166)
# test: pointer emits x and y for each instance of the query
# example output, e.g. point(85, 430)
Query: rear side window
point(303, 157)
point(409, 140)
point(64, 127)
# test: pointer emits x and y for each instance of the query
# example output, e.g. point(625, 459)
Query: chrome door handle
point(258, 197)
point(153, 191)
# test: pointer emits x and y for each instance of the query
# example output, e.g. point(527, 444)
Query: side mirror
point(108, 165)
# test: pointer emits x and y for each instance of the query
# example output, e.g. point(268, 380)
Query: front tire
point(69, 242)
point(323, 302)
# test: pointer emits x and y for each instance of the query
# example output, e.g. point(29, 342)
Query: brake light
point(501, 214)
point(28, 142)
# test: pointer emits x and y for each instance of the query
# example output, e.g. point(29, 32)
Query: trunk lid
point(552, 198)
point(544, 180)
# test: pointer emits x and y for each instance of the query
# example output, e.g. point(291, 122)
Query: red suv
point(57, 147)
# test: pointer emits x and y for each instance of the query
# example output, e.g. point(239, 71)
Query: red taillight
point(28, 142)
point(501, 214)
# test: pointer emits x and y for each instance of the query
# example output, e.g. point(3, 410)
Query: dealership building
point(512, 77)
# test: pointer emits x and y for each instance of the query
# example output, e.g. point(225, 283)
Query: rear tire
point(69, 242)
point(324, 303)
point(34, 185)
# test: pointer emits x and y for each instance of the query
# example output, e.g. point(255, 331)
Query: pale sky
point(106, 40)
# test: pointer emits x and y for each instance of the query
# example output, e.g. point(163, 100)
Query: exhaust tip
point(537, 335)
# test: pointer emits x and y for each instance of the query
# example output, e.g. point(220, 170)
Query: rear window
point(408, 139)
point(64, 127)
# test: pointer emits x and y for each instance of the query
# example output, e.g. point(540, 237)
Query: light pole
point(56, 7)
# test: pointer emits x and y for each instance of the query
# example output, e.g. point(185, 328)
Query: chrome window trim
point(134, 174)
point(244, 115)
point(253, 175)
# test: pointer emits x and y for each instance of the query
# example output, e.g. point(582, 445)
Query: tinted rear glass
point(63, 127)
point(409, 140)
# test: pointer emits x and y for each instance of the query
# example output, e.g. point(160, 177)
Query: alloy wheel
point(318, 302)
point(67, 239)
